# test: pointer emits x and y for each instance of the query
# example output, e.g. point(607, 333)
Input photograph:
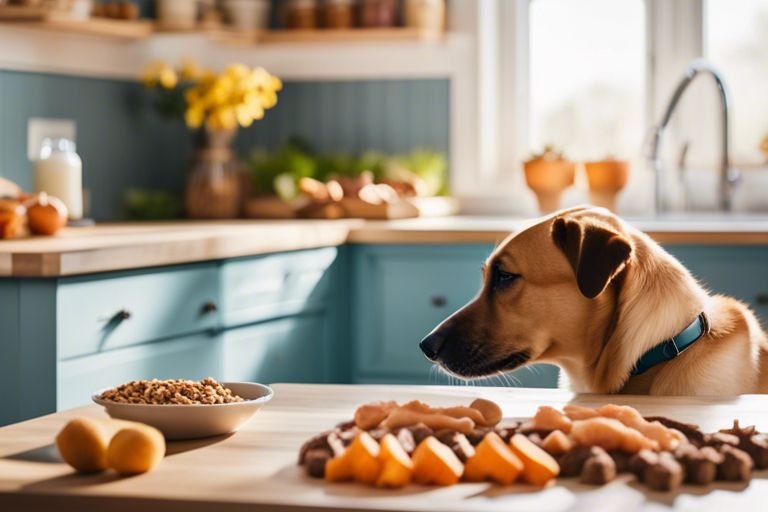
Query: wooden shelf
point(21, 12)
point(103, 27)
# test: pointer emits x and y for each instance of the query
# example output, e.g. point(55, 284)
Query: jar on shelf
point(426, 15)
point(338, 14)
point(176, 14)
point(59, 173)
point(378, 13)
point(299, 14)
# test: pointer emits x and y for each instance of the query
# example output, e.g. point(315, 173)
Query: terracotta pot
point(548, 178)
point(606, 179)
point(214, 184)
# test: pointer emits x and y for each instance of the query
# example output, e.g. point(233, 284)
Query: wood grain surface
point(255, 468)
point(121, 246)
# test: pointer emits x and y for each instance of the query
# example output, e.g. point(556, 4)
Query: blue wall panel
point(124, 144)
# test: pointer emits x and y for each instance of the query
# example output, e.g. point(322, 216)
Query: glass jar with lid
point(59, 172)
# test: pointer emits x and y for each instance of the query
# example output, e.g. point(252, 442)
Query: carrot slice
point(396, 466)
point(494, 460)
point(435, 463)
point(538, 466)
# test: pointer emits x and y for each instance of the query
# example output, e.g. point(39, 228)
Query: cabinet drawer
point(275, 285)
point(287, 350)
point(95, 314)
point(738, 271)
point(191, 357)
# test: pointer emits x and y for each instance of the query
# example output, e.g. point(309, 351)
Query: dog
point(585, 291)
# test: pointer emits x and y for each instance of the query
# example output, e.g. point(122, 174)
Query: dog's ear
point(596, 252)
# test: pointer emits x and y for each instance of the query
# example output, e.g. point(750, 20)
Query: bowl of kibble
point(185, 409)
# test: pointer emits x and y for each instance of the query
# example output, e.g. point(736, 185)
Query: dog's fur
point(592, 296)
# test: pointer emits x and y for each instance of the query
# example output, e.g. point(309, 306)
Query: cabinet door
point(738, 271)
point(292, 349)
point(190, 357)
point(401, 293)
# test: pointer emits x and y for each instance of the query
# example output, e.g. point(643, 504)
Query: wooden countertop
point(255, 468)
point(118, 246)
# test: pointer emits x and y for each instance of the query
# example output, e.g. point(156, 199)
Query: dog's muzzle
point(432, 344)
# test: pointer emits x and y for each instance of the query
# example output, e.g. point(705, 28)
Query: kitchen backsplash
point(124, 144)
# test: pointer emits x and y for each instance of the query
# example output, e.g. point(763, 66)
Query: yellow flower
point(223, 118)
point(150, 73)
point(190, 69)
point(167, 78)
point(194, 117)
point(275, 83)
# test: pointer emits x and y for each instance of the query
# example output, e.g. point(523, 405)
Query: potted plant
point(606, 179)
point(548, 174)
point(214, 106)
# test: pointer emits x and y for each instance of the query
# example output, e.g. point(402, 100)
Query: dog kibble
point(420, 432)
point(692, 432)
point(666, 474)
point(573, 461)
point(171, 392)
point(314, 462)
point(736, 465)
point(719, 439)
point(463, 448)
point(599, 469)
point(700, 464)
point(620, 460)
point(757, 448)
point(641, 460)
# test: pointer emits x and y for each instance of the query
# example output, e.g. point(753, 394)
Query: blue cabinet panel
point(401, 292)
point(254, 289)
point(738, 271)
point(293, 349)
point(98, 313)
point(190, 357)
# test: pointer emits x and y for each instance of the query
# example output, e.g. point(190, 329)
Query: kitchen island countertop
point(255, 469)
point(122, 246)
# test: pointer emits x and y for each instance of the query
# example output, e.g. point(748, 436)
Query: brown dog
point(584, 290)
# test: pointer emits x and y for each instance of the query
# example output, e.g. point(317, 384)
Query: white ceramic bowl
point(194, 421)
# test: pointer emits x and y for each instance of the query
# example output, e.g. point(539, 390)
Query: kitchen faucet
point(728, 176)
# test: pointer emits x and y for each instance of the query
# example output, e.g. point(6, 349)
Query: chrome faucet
point(728, 177)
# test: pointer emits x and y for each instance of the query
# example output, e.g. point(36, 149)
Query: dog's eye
point(503, 278)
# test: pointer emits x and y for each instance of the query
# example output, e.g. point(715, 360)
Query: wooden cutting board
point(255, 469)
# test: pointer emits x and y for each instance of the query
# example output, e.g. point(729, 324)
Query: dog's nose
point(432, 344)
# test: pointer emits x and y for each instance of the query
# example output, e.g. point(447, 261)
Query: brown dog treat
point(346, 425)
point(718, 439)
point(320, 441)
point(406, 440)
point(740, 431)
point(420, 432)
point(757, 448)
point(666, 474)
point(535, 438)
point(478, 434)
point(506, 432)
point(347, 436)
point(572, 462)
point(692, 432)
point(369, 416)
point(700, 464)
point(641, 460)
point(314, 462)
point(736, 466)
point(490, 411)
point(599, 469)
point(447, 436)
point(620, 460)
point(463, 448)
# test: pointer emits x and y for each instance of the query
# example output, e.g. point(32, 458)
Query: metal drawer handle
point(438, 301)
point(122, 315)
point(209, 307)
point(762, 299)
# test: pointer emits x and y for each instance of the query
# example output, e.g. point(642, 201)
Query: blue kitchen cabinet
point(400, 293)
point(292, 349)
point(740, 271)
point(188, 357)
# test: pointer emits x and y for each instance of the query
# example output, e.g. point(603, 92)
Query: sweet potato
point(493, 460)
point(359, 462)
point(435, 463)
point(538, 466)
point(557, 443)
point(396, 466)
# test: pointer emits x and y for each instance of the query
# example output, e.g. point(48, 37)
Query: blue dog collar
point(673, 347)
